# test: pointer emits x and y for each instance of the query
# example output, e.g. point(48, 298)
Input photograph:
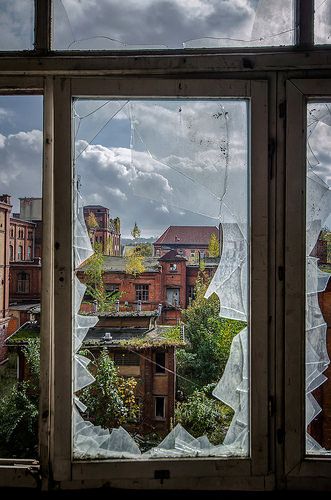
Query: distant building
point(168, 281)
point(5, 210)
point(138, 348)
point(107, 232)
point(190, 242)
point(25, 253)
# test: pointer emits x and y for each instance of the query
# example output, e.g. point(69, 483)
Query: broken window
point(155, 24)
point(160, 362)
point(159, 407)
point(318, 270)
point(322, 22)
point(142, 292)
point(21, 119)
point(157, 164)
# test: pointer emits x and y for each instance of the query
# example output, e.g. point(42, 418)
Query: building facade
point(190, 242)
point(5, 210)
point(167, 281)
point(105, 231)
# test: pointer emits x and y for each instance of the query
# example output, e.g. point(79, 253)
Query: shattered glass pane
point(322, 21)
point(318, 269)
point(16, 25)
point(155, 24)
point(161, 167)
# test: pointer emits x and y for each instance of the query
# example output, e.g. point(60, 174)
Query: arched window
point(23, 282)
point(20, 252)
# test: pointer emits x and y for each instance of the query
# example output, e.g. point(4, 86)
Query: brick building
point(5, 210)
point(25, 252)
point(189, 241)
point(168, 280)
point(107, 232)
point(151, 362)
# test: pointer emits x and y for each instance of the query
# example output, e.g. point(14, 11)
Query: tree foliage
point(135, 232)
point(134, 263)
point(202, 415)
point(111, 399)
point(209, 339)
point(213, 246)
point(19, 410)
point(94, 272)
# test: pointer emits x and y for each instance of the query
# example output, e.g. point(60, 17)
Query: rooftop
point(118, 264)
point(187, 235)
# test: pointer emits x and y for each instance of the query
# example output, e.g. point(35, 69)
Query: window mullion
point(304, 17)
point(42, 28)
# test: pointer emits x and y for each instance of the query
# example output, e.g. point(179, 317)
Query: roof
point(32, 308)
point(172, 255)
point(94, 206)
point(118, 264)
point(29, 330)
point(187, 235)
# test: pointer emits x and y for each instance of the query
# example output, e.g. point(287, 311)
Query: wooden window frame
point(277, 460)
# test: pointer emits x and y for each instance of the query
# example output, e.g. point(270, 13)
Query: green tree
point(213, 246)
point(209, 339)
point(111, 399)
point(202, 415)
point(92, 225)
point(19, 410)
point(94, 272)
point(145, 249)
point(135, 232)
point(134, 262)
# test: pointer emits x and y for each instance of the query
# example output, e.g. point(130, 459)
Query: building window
point(23, 283)
point(173, 296)
point(11, 232)
point(112, 287)
point(126, 358)
point(11, 252)
point(142, 292)
point(160, 362)
point(30, 235)
point(29, 256)
point(159, 407)
point(173, 267)
point(20, 252)
point(190, 293)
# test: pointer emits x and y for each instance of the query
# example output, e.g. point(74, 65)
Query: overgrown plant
point(111, 399)
point(19, 410)
point(94, 272)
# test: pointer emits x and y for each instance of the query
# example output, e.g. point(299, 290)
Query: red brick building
point(107, 232)
point(168, 281)
point(151, 362)
point(190, 242)
point(5, 210)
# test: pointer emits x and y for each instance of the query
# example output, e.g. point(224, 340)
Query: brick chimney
point(5, 198)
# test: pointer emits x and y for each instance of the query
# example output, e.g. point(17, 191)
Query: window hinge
point(282, 109)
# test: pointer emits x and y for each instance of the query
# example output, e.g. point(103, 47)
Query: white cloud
point(21, 163)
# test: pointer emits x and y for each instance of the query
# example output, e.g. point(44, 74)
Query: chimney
point(5, 198)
